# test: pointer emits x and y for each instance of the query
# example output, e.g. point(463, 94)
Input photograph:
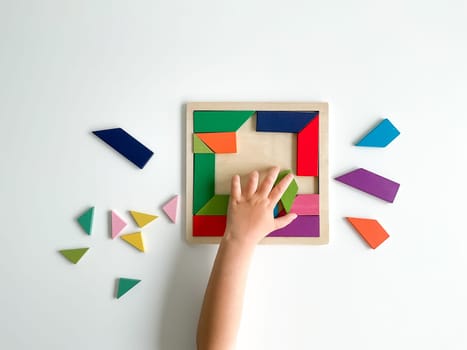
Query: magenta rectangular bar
point(306, 204)
point(302, 226)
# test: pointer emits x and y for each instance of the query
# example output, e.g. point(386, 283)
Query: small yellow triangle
point(142, 219)
point(135, 239)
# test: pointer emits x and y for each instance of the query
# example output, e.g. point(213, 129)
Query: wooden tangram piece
point(135, 239)
point(283, 121)
point(209, 225)
point(142, 219)
point(370, 230)
point(126, 145)
point(85, 220)
point(371, 183)
point(380, 136)
point(288, 197)
point(220, 142)
point(308, 149)
point(74, 255)
point(124, 285)
point(217, 205)
point(203, 180)
point(199, 146)
point(219, 121)
point(171, 208)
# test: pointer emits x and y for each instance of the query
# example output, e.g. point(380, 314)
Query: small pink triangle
point(118, 224)
point(170, 208)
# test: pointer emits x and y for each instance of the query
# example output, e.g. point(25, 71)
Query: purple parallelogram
point(371, 183)
point(302, 226)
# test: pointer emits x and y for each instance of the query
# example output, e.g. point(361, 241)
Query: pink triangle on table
point(118, 224)
point(170, 208)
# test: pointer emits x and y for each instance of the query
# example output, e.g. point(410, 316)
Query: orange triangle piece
point(220, 142)
point(371, 231)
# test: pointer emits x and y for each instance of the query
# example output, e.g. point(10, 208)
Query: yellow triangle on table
point(142, 219)
point(135, 239)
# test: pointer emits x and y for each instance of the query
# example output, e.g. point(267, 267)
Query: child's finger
point(280, 188)
point(283, 221)
point(252, 184)
point(236, 188)
point(268, 182)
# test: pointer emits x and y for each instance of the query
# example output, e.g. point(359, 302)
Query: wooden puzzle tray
point(227, 138)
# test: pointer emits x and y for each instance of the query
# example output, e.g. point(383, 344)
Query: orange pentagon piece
point(370, 230)
point(220, 142)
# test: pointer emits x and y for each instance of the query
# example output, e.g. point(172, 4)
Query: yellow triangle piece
point(135, 239)
point(142, 219)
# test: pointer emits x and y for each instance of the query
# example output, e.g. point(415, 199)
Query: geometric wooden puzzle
point(228, 138)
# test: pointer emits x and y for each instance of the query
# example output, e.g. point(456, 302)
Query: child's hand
point(250, 216)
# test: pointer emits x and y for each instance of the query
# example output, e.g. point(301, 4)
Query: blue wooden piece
point(276, 210)
point(126, 145)
point(380, 136)
point(283, 121)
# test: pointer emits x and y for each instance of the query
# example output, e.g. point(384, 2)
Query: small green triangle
point(74, 255)
point(85, 220)
point(217, 205)
point(124, 285)
point(199, 146)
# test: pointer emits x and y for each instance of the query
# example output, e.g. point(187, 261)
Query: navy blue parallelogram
point(283, 121)
point(126, 145)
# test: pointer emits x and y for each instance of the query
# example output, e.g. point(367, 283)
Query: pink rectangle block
point(306, 204)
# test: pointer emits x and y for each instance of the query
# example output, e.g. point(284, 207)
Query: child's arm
point(249, 219)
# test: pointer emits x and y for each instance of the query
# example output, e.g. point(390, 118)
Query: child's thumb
point(283, 221)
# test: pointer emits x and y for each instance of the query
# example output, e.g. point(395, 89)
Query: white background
point(69, 67)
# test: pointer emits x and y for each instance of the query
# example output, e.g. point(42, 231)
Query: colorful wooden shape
point(135, 239)
point(209, 225)
point(86, 219)
point(288, 197)
point(219, 121)
point(170, 208)
point(380, 136)
point(142, 219)
point(220, 142)
point(370, 230)
point(73, 255)
point(308, 149)
point(217, 205)
point(199, 146)
point(371, 183)
point(283, 121)
point(302, 226)
point(204, 168)
point(306, 204)
point(276, 210)
point(126, 145)
point(124, 285)
point(117, 223)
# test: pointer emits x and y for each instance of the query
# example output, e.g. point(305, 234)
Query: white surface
point(68, 67)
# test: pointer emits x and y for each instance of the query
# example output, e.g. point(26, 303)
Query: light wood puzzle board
point(259, 151)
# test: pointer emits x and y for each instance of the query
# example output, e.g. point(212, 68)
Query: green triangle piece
point(124, 285)
point(290, 193)
point(199, 146)
point(73, 255)
point(217, 205)
point(219, 121)
point(85, 220)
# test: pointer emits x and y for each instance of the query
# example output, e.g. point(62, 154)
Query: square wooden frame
point(321, 107)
